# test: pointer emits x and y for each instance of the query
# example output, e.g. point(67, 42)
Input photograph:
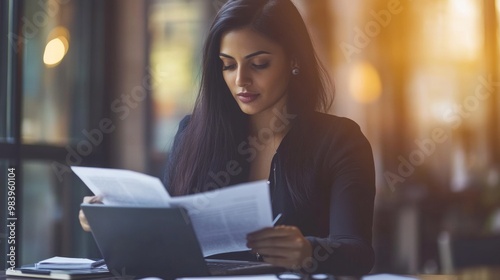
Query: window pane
point(447, 62)
point(54, 70)
point(6, 70)
point(3, 70)
point(177, 30)
point(49, 214)
point(3, 113)
point(40, 213)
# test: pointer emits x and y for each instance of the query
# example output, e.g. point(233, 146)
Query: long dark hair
point(217, 124)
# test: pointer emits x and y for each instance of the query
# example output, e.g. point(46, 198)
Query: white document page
point(222, 218)
point(65, 263)
point(123, 187)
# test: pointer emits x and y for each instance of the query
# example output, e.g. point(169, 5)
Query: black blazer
point(337, 217)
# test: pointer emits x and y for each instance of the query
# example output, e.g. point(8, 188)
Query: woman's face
point(256, 71)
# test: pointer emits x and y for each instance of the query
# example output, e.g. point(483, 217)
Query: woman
point(256, 112)
point(260, 88)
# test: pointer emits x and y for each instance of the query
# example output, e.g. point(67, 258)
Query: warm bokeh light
point(452, 30)
point(54, 52)
point(464, 27)
point(57, 46)
point(364, 82)
point(497, 4)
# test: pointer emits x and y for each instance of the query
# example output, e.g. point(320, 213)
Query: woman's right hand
point(83, 220)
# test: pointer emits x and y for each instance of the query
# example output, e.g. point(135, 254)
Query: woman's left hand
point(281, 246)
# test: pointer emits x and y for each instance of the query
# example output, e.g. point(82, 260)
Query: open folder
point(221, 218)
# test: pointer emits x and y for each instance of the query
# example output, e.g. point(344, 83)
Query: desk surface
point(485, 273)
point(423, 277)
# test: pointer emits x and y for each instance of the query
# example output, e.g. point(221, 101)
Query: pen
point(97, 263)
point(259, 257)
point(277, 219)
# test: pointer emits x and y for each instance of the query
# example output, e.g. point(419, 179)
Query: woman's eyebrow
point(246, 57)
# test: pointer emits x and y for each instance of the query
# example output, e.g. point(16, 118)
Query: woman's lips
point(247, 97)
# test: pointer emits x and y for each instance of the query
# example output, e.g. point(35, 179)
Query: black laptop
point(157, 242)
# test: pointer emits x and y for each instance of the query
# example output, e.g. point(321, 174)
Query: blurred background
point(105, 83)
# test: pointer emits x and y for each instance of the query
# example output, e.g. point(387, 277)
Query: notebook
point(32, 271)
point(157, 242)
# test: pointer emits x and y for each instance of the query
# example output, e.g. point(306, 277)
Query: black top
point(337, 217)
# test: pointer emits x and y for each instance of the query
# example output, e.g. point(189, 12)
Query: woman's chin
point(249, 110)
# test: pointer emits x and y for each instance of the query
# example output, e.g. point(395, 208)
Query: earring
point(296, 71)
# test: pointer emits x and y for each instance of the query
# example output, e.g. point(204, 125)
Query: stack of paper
point(67, 263)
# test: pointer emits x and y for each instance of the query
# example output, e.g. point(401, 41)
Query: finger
point(81, 216)
point(294, 250)
point(92, 199)
point(96, 200)
point(279, 231)
point(260, 231)
point(83, 221)
point(277, 242)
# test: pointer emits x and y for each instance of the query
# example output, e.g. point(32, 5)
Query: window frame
point(9, 140)
point(14, 153)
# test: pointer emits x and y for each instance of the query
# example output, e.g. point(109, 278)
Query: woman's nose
point(242, 78)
